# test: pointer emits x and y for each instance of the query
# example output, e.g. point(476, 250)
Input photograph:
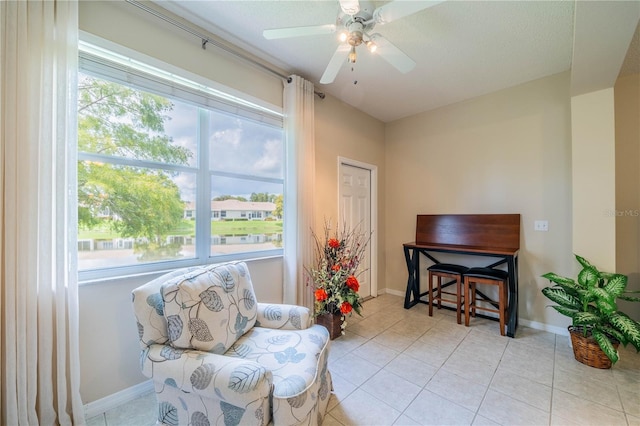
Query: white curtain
point(39, 293)
point(299, 189)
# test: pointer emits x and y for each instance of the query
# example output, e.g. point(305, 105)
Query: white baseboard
point(545, 327)
point(393, 292)
point(107, 403)
point(531, 324)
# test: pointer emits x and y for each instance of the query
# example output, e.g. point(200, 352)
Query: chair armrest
point(284, 317)
point(210, 375)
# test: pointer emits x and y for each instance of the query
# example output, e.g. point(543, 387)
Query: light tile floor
point(401, 367)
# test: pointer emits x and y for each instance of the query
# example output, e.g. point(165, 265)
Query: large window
point(170, 171)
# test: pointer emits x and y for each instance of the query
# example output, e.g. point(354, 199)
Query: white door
point(355, 211)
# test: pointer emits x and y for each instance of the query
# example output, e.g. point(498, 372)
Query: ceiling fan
point(355, 23)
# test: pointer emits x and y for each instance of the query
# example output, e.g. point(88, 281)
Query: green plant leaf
point(606, 345)
point(570, 287)
point(605, 302)
point(553, 277)
point(594, 310)
point(627, 296)
point(562, 298)
point(582, 261)
point(625, 325)
point(615, 334)
point(605, 306)
point(597, 293)
point(589, 276)
point(586, 318)
point(565, 311)
point(616, 285)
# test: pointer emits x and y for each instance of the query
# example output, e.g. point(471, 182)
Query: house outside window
point(155, 151)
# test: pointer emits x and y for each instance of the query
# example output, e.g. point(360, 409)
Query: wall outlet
point(541, 225)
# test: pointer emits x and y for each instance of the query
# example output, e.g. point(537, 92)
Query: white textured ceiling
point(463, 49)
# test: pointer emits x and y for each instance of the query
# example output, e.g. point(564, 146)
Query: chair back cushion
point(148, 308)
point(209, 308)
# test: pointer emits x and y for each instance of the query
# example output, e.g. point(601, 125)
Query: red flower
point(352, 283)
point(333, 243)
point(321, 295)
point(335, 267)
point(346, 307)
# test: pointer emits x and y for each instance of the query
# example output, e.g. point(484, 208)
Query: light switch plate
point(541, 225)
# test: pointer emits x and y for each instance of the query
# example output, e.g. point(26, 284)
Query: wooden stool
point(489, 276)
point(446, 270)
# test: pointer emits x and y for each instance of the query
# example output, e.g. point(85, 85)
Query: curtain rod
point(206, 40)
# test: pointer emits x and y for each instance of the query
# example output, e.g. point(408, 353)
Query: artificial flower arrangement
point(334, 275)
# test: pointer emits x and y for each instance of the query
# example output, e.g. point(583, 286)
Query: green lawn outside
point(187, 227)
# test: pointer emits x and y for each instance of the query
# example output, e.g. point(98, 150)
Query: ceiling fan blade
point(392, 54)
point(400, 8)
point(337, 61)
point(350, 7)
point(299, 31)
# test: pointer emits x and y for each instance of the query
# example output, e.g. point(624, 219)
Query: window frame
point(213, 97)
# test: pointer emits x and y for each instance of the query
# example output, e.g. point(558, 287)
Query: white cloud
point(271, 160)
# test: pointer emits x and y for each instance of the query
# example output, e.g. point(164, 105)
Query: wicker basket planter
point(332, 322)
point(587, 351)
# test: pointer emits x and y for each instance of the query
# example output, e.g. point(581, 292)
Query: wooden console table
point(489, 235)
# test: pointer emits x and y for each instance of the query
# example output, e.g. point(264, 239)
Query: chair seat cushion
point(291, 355)
point(489, 273)
point(449, 268)
point(298, 360)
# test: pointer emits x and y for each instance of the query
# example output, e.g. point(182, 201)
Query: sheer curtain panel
point(39, 292)
point(299, 189)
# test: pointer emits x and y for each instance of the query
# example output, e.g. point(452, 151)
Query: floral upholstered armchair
point(216, 356)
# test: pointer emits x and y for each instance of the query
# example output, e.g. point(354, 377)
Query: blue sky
point(236, 145)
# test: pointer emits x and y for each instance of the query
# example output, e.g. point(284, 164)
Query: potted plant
point(598, 326)
point(334, 276)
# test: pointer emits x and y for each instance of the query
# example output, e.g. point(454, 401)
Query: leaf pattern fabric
point(200, 330)
point(211, 300)
point(216, 302)
point(296, 321)
point(201, 377)
point(199, 418)
point(244, 378)
point(169, 352)
point(174, 327)
point(156, 302)
point(285, 317)
point(274, 373)
point(232, 414)
point(273, 313)
point(167, 414)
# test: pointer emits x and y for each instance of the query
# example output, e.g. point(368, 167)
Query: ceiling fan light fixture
point(353, 55)
point(371, 46)
point(355, 38)
point(356, 30)
point(343, 36)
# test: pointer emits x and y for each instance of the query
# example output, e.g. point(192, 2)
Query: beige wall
point(343, 131)
point(109, 349)
point(131, 27)
point(627, 127)
point(594, 168)
point(506, 152)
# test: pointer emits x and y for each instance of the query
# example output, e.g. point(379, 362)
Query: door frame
point(373, 208)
